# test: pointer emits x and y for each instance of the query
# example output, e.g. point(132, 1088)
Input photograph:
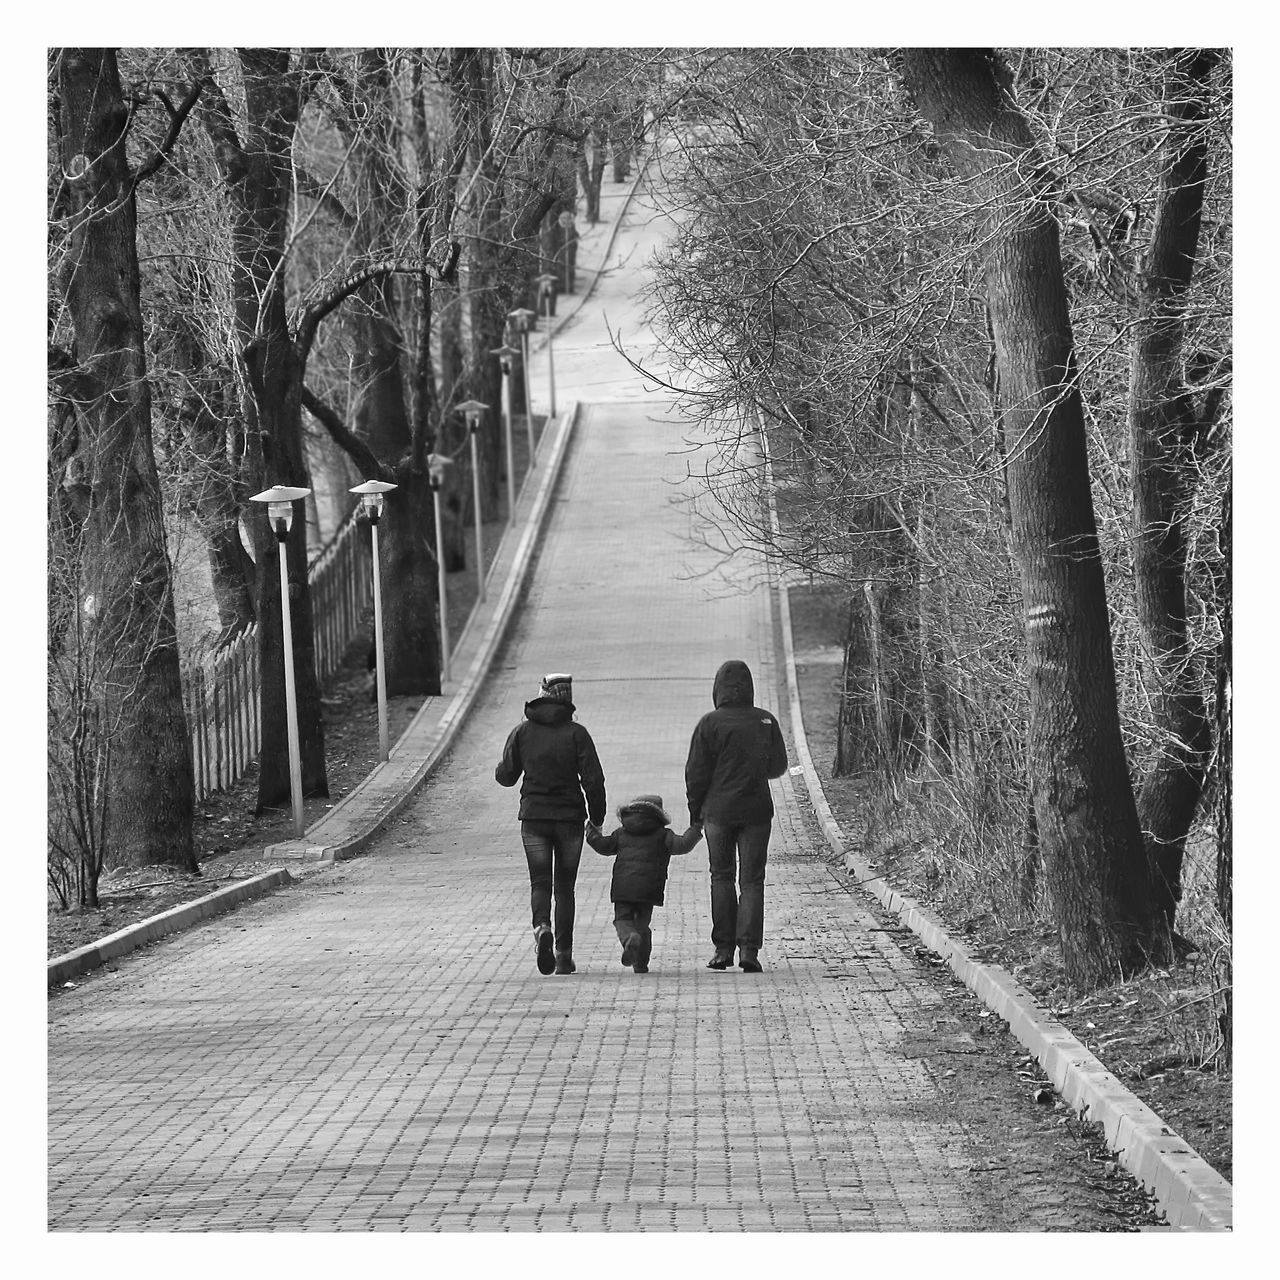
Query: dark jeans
point(635, 917)
point(737, 853)
point(553, 850)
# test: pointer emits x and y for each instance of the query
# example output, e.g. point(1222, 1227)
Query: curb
point(1192, 1194)
point(183, 917)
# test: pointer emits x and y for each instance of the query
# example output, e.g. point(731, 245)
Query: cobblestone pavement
point(374, 1049)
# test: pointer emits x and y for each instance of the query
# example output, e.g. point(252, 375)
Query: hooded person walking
point(563, 787)
point(733, 753)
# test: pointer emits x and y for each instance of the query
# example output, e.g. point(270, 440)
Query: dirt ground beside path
point(229, 839)
point(1156, 1033)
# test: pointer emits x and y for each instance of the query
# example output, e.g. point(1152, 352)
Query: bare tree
point(118, 599)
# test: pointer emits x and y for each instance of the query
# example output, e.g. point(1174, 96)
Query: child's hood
point(642, 815)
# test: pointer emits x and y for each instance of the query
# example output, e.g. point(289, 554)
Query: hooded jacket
point(643, 846)
point(559, 764)
point(733, 753)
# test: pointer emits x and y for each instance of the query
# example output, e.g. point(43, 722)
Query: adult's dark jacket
point(642, 848)
point(733, 753)
point(559, 763)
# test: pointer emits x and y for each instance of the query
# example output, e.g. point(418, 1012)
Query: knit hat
point(652, 803)
point(557, 687)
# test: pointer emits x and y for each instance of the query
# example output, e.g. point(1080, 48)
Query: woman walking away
point(734, 752)
point(559, 764)
point(644, 845)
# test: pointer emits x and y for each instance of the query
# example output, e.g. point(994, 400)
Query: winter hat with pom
point(557, 687)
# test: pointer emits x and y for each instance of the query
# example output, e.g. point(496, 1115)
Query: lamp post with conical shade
point(473, 409)
point(546, 283)
point(522, 322)
point(371, 500)
point(279, 502)
point(436, 464)
point(505, 355)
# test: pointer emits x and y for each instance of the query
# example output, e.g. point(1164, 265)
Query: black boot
point(545, 944)
point(564, 962)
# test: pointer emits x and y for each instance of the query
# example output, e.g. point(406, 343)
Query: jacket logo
point(766, 720)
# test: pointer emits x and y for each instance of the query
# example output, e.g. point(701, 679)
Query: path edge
point(1191, 1193)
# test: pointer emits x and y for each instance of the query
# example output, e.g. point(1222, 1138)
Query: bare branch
point(350, 443)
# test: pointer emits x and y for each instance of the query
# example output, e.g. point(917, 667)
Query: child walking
point(643, 846)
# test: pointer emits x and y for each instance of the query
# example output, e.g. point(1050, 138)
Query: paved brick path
point(374, 1049)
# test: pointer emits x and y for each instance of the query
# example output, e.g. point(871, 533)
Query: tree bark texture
point(1086, 817)
point(258, 176)
point(1162, 425)
point(126, 591)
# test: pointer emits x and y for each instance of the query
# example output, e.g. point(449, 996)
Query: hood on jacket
point(733, 685)
point(548, 711)
point(642, 814)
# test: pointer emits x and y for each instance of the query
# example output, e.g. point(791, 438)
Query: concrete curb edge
point(1192, 1194)
point(73, 963)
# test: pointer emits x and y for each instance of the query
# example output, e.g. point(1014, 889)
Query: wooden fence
point(223, 691)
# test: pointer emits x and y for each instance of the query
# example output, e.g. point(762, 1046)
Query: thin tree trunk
point(1162, 425)
point(258, 181)
point(1086, 817)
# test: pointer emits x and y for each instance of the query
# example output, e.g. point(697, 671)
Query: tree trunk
point(125, 588)
point(1223, 710)
point(1162, 425)
point(1086, 818)
point(258, 181)
point(410, 626)
point(407, 527)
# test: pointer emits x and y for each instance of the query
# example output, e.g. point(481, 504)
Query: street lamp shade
point(371, 492)
point(546, 280)
point(505, 355)
point(279, 502)
point(436, 463)
point(473, 409)
point(521, 320)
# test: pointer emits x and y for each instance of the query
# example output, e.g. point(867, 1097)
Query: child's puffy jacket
point(642, 846)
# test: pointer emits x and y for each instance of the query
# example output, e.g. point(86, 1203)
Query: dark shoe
point(641, 967)
point(545, 942)
point(748, 963)
point(721, 960)
point(564, 962)
point(631, 949)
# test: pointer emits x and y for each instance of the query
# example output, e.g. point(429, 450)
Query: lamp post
point(473, 409)
point(279, 502)
point(566, 225)
point(546, 283)
point(505, 354)
point(371, 500)
point(436, 464)
point(521, 322)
